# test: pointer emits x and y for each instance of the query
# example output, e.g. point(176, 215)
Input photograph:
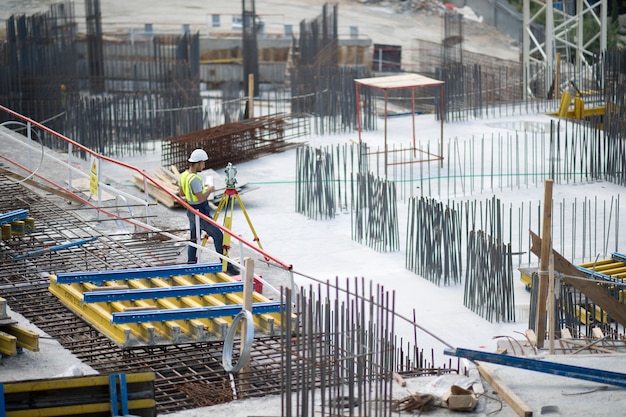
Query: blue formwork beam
point(161, 292)
point(138, 273)
point(191, 313)
point(618, 257)
point(12, 216)
point(570, 371)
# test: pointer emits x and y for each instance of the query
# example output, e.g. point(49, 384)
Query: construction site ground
point(543, 394)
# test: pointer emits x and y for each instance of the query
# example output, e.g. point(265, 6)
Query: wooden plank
point(512, 399)
point(597, 333)
point(531, 337)
point(82, 185)
point(159, 195)
point(565, 333)
point(544, 263)
point(566, 336)
point(591, 289)
point(171, 176)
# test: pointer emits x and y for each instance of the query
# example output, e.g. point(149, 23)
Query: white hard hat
point(198, 155)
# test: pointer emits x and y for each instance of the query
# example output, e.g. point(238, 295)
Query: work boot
point(232, 270)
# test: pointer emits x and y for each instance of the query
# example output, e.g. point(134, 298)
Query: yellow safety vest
point(185, 184)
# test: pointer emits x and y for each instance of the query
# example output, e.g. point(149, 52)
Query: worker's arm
point(204, 194)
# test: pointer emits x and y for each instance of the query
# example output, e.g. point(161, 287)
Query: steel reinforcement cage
point(234, 142)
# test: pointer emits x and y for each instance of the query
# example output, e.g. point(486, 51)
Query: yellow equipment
point(227, 204)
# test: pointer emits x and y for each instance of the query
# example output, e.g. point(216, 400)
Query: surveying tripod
point(227, 203)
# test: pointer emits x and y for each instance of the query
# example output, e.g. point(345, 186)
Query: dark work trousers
point(211, 230)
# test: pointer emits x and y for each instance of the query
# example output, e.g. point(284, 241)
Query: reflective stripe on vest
point(185, 184)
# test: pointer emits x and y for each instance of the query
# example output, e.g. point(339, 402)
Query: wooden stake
point(250, 96)
point(546, 249)
point(551, 315)
point(248, 287)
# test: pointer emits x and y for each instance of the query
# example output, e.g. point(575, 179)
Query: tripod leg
point(223, 201)
point(256, 238)
point(228, 223)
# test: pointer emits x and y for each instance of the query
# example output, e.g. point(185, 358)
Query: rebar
point(489, 290)
point(433, 241)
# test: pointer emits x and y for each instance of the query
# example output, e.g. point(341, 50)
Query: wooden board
point(155, 192)
point(82, 185)
point(591, 289)
point(512, 399)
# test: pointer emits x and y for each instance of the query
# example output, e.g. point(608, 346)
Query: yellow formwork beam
point(194, 328)
point(8, 344)
point(594, 265)
point(185, 302)
point(100, 314)
point(616, 271)
point(566, 99)
point(218, 325)
point(146, 330)
point(72, 382)
point(264, 321)
point(99, 317)
point(134, 383)
point(25, 338)
point(168, 329)
point(584, 314)
point(80, 410)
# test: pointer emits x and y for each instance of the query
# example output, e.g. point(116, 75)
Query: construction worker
point(193, 189)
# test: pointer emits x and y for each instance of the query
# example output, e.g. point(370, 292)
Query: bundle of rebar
point(375, 219)
point(489, 290)
point(232, 142)
point(433, 241)
point(315, 179)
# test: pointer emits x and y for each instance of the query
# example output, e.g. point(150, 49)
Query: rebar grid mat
point(184, 372)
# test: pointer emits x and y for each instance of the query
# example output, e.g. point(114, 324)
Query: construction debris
point(460, 399)
point(422, 403)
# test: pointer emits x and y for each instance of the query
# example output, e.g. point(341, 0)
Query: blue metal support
point(3, 411)
point(138, 273)
point(123, 397)
point(571, 371)
point(599, 276)
point(193, 313)
point(12, 216)
point(55, 248)
point(618, 257)
point(162, 292)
